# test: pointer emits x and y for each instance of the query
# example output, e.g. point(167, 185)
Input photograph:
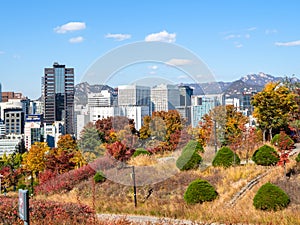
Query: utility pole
point(215, 135)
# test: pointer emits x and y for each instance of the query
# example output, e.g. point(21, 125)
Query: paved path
point(146, 220)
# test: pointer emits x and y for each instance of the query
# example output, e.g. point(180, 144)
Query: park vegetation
point(71, 178)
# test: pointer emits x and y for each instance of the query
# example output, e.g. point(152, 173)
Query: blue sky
point(233, 38)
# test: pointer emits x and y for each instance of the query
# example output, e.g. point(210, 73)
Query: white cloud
point(16, 56)
point(153, 67)
point(118, 37)
point(247, 36)
point(238, 45)
point(232, 36)
point(69, 27)
point(2, 52)
point(179, 62)
point(251, 28)
point(291, 43)
point(271, 31)
point(75, 40)
point(163, 36)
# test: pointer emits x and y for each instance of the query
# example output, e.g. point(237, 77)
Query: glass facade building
point(58, 88)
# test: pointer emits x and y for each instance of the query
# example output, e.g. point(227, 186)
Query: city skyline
point(232, 38)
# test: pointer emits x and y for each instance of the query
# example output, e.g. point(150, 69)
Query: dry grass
point(143, 160)
point(166, 198)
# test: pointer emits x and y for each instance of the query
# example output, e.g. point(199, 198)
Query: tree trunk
point(270, 131)
point(264, 135)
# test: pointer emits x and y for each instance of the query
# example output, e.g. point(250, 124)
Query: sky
point(232, 38)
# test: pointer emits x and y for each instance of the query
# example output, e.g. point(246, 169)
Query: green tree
point(90, 140)
point(273, 107)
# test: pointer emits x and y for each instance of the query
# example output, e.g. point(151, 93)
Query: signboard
point(33, 118)
point(23, 204)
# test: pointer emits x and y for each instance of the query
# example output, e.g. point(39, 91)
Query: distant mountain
point(248, 83)
point(260, 79)
point(83, 89)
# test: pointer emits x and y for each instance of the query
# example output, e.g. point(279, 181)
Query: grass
point(166, 198)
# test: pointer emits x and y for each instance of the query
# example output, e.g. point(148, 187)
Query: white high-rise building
point(133, 95)
point(164, 97)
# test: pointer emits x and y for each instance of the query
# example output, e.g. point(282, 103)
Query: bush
point(65, 181)
point(225, 157)
point(99, 177)
point(270, 197)
point(189, 158)
point(140, 151)
point(200, 191)
point(194, 145)
point(282, 141)
point(265, 156)
point(46, 212)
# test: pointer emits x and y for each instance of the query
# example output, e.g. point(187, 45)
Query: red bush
point(46, 212)
point(65, 181)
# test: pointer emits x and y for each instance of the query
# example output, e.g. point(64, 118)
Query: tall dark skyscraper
point(58, 94)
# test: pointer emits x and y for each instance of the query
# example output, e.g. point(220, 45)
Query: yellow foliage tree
point(34, 160)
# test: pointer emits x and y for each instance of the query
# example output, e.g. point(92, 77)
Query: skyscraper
point(58, 88)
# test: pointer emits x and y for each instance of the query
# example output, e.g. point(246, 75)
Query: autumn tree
point(107, 127)
point(273, 107)
point(162, 128)
point(67, 145)
point(34, 160)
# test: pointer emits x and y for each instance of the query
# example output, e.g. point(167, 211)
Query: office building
point(164, 97)
point(200, 107)
point(133, 95)
point(185, 103)
point(58, 88)
point(0, 92)
point(33, 131)
point(14, 121)
point(5, 96)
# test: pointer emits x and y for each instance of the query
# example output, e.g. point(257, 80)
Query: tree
point(163, 128)
point(67, 143)
point(34, 160)
point(90, 140)
point(230, 124)
point(273, 106)
point(109, 125)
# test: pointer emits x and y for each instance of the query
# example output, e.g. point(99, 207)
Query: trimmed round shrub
point(99, 177)
point(225, 157)
point(265, 156)
point(270, 197)
point(140, 151)
point(189, 158)
point(298, 158)
point(193, 145)
point(199, 191)
point(283, 141)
